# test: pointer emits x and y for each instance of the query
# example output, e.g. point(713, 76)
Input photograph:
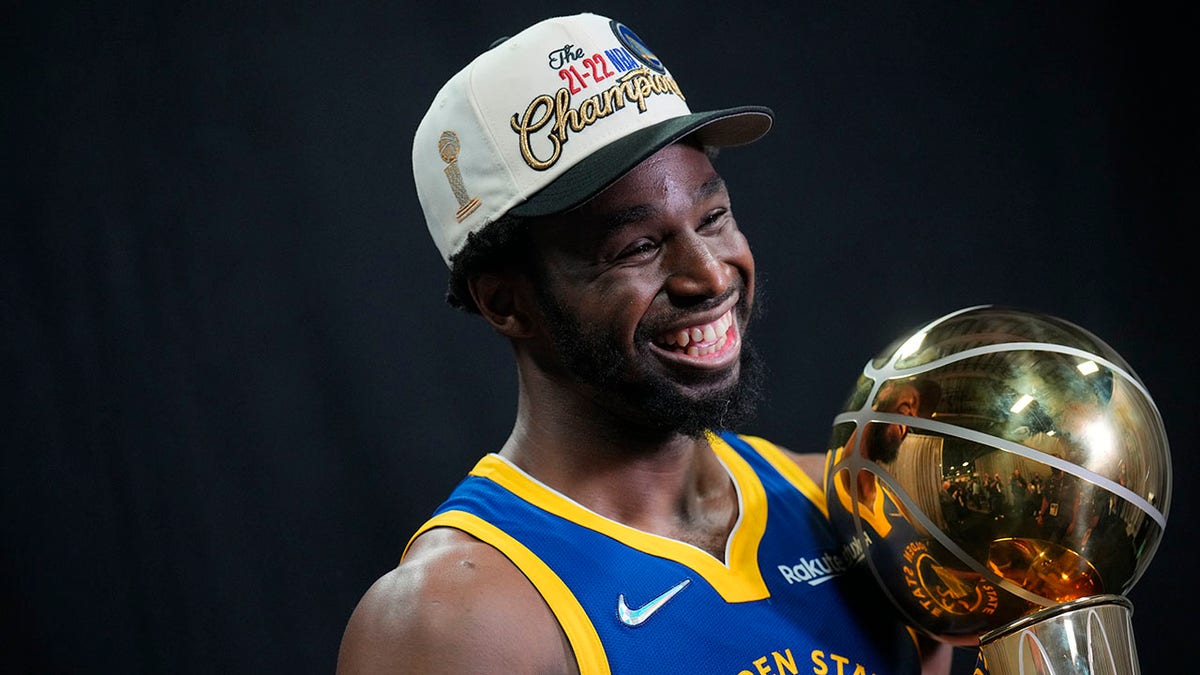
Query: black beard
point(649, 400)
point(879, 446)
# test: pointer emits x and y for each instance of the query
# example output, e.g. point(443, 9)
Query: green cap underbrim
point(718, 128)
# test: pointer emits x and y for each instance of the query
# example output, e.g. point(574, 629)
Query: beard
point(652, 400)
point(880, 443)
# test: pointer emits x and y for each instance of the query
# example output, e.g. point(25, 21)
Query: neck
point(664, 483)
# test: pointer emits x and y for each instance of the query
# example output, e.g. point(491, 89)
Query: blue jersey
point(787, 598)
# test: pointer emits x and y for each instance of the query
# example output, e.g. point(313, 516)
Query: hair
point(500, 245)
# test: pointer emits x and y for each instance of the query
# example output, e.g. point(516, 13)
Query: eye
point(714, 220)
point(638, 249)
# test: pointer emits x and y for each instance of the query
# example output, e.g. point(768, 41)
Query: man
point(881, 444)
point(570, 189)
point(910, 397)
point(1019, 507)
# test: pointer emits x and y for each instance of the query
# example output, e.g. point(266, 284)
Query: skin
point(882, 441)
point(657, 251)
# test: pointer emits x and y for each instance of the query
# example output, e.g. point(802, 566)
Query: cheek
point(737, 252)
point(739, 257)
point(620, 303)
point(734, 244)
point(633, 286)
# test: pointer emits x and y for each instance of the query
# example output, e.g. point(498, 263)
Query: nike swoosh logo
point(636, 617)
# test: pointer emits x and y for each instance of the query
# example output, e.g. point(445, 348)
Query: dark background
point(235, 388)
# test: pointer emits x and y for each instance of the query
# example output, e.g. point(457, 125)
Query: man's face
point(646, 291)
point(882, 441)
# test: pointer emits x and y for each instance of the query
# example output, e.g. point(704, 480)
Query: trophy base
point(1089, 636)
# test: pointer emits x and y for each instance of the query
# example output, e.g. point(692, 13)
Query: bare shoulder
point(812, 463)
point(454, 604)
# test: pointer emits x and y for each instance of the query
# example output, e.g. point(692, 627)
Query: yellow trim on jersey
point(791, 471)
point(737, 580)
point(747, 582)
point(873, 516)
point(585, 642)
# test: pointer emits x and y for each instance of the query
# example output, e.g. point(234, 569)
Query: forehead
point(893, 391)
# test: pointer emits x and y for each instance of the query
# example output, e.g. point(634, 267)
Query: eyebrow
point(640, 212)
point(711, 187)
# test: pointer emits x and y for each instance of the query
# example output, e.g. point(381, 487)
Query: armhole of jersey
point(791, 471)
point(873, 516)
point(585, 642)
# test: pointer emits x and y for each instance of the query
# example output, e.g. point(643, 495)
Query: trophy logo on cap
point(448, 148)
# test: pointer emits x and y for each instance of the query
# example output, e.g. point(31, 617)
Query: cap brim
point(931, 395)
point(718, 128)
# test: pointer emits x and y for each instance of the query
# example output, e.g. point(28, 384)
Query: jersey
point(787, 598)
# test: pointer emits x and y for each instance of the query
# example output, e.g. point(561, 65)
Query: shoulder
point(811, 463)
point(454, 604)
point(804, 471)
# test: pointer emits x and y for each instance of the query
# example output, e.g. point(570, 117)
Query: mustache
point(679, 315)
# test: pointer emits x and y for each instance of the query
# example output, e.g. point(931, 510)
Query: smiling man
point(624, 526)
point(646, 290)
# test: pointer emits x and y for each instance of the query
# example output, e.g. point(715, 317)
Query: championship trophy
point(1006, 478)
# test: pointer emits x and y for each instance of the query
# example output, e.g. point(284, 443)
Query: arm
point(936, 657)
point(454, 605)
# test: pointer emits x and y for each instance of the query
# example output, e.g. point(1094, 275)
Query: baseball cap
point(546, 119)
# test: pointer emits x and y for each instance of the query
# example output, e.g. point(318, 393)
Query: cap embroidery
point(635, 86)
point(448, 148)
point(634, 44)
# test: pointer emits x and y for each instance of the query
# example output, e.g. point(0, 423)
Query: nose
point(696, 271)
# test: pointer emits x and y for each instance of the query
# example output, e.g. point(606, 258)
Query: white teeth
point(711, 349)
point(701, 340)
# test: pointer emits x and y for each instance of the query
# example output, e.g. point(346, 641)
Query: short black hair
point(501, 245)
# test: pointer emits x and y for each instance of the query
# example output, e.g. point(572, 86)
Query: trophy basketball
point(1006, 478)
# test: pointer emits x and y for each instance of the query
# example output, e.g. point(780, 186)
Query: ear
point(502, 299)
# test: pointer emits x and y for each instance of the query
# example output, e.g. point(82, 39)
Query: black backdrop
point(235, 388)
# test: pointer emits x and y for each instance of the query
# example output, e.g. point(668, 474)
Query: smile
point(705, 340)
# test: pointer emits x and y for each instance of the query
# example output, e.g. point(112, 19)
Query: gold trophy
point(1006, 478)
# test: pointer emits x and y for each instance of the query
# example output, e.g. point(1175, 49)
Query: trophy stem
point(1089, 636)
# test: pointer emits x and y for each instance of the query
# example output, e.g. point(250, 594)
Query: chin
point(711, 401)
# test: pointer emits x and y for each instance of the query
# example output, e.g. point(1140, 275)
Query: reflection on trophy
point(1008, 476)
